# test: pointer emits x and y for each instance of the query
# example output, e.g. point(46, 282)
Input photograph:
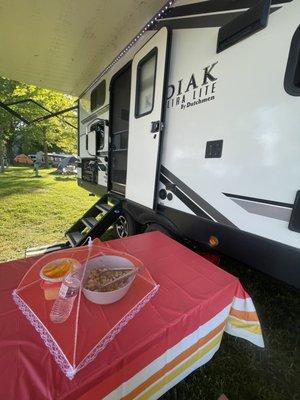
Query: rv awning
point(64, 44)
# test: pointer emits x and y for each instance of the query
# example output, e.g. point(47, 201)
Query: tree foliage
point(54, 134)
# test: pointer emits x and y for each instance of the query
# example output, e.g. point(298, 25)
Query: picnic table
point(179, 330)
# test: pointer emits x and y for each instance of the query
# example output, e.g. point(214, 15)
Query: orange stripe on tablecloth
point(245, 315)
point(181, 368)
point(169, 366)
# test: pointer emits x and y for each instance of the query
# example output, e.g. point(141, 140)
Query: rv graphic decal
point(266, 208)
point(190, 198)
point(195, 91)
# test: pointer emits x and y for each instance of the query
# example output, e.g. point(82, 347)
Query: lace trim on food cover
point(116, 329)
point(53, 347)
point(55, 350)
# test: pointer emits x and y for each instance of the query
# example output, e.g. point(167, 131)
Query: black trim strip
point(269, 256)
point(250, 22)
point(178, 193)
point(203, 204)
point(163, 114)
point(294, 224)
point(78, 127)
point(292, 73)
point(275, 203)
point(202, 21)
point(215, 6)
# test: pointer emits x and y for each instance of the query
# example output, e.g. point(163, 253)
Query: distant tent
point(68, 161)
point(23, 159)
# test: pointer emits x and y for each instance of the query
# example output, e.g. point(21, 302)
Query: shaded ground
point(36, 211)
point(243, 371)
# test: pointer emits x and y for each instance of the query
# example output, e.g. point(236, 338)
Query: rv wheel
point(126, 226)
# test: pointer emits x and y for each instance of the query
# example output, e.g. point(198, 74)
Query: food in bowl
point(115, 288)
point(102, 279)
point(56, 270)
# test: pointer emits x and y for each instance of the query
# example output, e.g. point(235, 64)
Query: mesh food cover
point(90, 326)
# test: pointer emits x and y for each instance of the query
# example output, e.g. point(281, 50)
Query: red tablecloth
point(178, 331)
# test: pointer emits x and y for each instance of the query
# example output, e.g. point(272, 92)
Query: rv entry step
point(95, 221)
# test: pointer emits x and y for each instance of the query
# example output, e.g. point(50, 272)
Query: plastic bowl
point(75, 265)
point(108, 262)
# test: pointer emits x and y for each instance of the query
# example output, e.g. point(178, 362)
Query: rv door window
point(98, 127)
point(98, 96)
point(95, 137)
point(146, 71)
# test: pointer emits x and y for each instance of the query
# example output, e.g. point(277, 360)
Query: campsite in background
point(149, 199)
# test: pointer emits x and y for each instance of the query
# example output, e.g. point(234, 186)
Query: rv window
point(145, 85)
point(292, 73)
point(98, 96)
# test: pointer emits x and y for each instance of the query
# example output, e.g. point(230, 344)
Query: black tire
point(156, 227)
point(126, 226)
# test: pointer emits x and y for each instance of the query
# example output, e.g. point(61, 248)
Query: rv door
point(145, 120)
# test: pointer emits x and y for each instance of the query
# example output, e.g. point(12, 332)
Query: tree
point(53, 134)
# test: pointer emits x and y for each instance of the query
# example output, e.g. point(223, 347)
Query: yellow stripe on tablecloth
point(170, 365)
point(181, 368)
point(249, 326)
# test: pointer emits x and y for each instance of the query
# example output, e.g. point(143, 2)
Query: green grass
point(241, 370)
point(37, 211)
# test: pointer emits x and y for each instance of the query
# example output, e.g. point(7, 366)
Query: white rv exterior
point(206, 141)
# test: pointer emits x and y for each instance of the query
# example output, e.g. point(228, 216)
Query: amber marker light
point(213, 241)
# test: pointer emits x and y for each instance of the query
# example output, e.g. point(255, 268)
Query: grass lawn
point(243, 371)
point(37, 211)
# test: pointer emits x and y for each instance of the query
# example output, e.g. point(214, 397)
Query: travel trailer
point(193, 129)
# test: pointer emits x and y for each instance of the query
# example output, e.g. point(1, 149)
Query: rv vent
point(244, 25)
